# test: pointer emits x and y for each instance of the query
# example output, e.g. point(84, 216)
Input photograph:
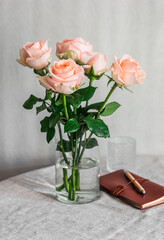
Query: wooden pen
point(135, 182)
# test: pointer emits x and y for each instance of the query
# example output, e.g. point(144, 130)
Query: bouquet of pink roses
point(67, 102)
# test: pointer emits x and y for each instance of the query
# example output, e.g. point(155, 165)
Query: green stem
point(67, 117)
point(100, 110)
point(65, 177)
point(65, 106)
point(72, 145)
point(66, 184)
point(71, 141)
point(73, 183)
point(70, 190)
point(61, 145)
point(77, 179)
point(79, 148)
point(106, 99)
point(73, 171)
point(82, 152)
point(75, 110)
point(60, 187)
point(75, 155)
point(90, 84)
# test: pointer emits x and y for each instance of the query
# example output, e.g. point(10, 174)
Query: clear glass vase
point(77, 184)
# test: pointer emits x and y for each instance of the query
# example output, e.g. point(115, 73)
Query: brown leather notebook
point(118, 184)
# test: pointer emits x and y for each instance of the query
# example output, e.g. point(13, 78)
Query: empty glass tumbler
point(121, 153)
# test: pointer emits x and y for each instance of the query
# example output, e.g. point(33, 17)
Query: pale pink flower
point(99, 63)
point(65, 77)
point(35, 55)
point(78, 45)
point(126, 72)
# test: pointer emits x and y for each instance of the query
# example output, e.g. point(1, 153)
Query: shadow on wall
point(7, 172)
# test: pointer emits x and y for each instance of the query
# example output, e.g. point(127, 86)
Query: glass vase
point(77, 184)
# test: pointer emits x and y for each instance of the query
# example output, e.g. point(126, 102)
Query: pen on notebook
point(135, 182)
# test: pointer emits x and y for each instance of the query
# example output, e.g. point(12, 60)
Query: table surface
point(29, 210)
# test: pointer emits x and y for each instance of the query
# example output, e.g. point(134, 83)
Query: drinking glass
point(121, 153)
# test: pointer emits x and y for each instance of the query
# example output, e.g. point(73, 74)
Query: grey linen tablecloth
point(29, 210)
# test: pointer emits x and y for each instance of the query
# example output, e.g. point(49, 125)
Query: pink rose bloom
point(78, 45)
point(99, 63)
point(35, 55)
point(126, 72)
point(66, 77)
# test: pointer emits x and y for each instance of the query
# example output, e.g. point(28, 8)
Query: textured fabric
point(113, 27)
point(29, 211)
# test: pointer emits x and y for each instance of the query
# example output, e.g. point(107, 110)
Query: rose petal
point(86, 56)
point(116, 67)
point(125, 57)
point(23, 55)
point(44, 45)
point(39, 62)
point(66, 76)
point(128, 66)
point(37, 45)
point(99, 63)
point(141, 73)
point(28, 45)
point(130, 79)
point(34, 52)
point(78, 45)
point(43, 81)
point(117, 78)
point(60, 48)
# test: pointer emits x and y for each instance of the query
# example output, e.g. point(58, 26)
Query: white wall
point(115, 27)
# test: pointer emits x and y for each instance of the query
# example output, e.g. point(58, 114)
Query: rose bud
point(99, 63)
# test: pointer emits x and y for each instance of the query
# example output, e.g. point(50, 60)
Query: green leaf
point(91, 143)
point(128, 89)
point(110, 108)
point(72, 125)
point(44, 124)
point(80, 95)
point(40, 108)
point(50, 134)
point(95, 106)
point(53, 119)
point(66, 146)
point(86, 93)
point(97, 126)
point(31, 101)
point(74, 99)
